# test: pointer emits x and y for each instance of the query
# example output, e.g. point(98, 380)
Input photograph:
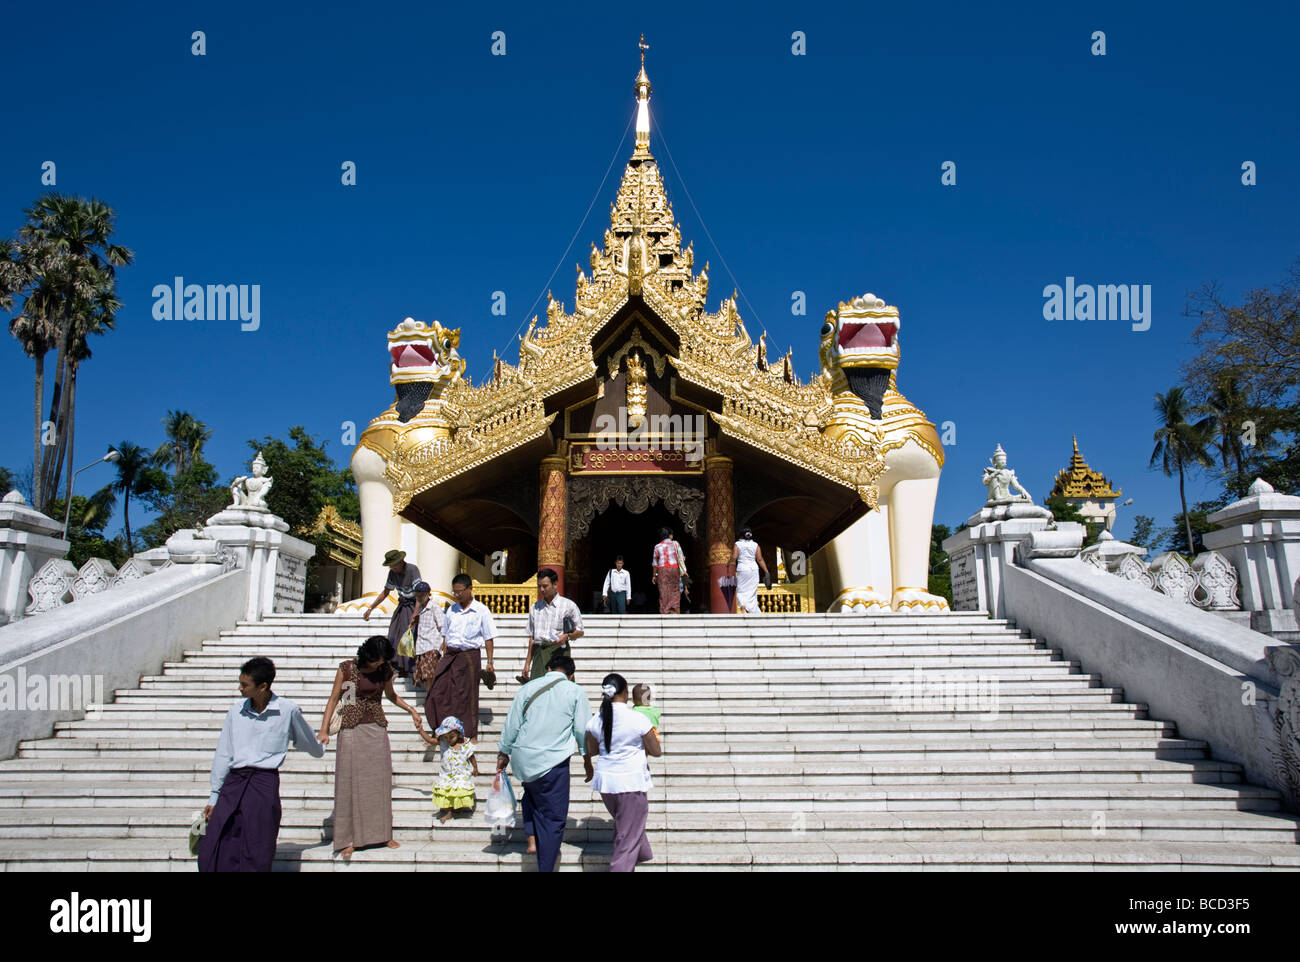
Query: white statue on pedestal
point(251, 492)
point(1000, 480)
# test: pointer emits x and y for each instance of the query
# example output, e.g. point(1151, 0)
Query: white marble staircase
point(798, 760)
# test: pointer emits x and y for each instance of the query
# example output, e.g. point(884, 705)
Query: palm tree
point(31, 269)
point(1229, 409)
point(78, 297)
point(186, 436)
point(134, 476)
point(1179, 444)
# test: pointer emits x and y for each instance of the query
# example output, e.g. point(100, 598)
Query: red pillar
point(553, 504)
point(722, 534)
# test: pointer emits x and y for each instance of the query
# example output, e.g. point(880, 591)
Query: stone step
point(702, 724)
point(440, 854)
point(593, 824)
point(120, 714)
point(1196, 825)
point(54, 802)
point(415, 770)
point(313, 662)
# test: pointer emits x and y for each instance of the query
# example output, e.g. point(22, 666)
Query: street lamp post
point(112, 455)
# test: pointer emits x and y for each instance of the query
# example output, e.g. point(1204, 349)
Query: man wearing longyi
point(243, 811)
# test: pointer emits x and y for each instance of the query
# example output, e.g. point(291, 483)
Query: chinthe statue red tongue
point(867, 335)
point(412, 355)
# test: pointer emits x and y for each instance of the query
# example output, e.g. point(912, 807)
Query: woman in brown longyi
point(363, 771)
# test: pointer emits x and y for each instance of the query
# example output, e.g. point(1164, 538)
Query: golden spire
point(1081, 481)
point(642, 105)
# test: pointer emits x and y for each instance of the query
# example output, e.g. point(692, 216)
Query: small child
point(454, 786)
point(641, 703)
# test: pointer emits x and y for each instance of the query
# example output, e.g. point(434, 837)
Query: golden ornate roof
point(1080, 481)
point(641, 257)
point(342, 537)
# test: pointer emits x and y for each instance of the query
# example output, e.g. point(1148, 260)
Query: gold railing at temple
point(516, 599)
point(788, 598)
point(503, 599)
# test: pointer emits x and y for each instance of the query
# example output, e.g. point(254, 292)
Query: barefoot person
point(243, 811)
point(546, 724)
point(669, 572)
point(553, 621)
point(468, 632)
point(402, 578)
point(453, 789)
point(363, 771)
point(622, 738)
point(746, 562)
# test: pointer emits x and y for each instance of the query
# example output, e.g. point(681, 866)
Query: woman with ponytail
point(622, 738)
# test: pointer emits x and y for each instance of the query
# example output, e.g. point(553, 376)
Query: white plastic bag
point(499, 810)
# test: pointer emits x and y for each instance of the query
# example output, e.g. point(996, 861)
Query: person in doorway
point(553, 622)
point(243, 811)
point(746, 562)
point(617, 588)
point(669, 572)
point(402, 578)
point(546, 723)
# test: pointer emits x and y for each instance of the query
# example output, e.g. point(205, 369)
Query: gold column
point(552, 507)
point(719, 498)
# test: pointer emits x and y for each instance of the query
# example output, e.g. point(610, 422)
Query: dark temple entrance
point(617, 531)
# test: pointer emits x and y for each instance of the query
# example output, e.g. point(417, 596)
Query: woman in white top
point(747, 561)
point(622, 738)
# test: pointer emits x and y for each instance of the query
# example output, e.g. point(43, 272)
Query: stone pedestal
point(255, 539)
point(979, 553)
point(28, 539)
point(720, 506)
point(1260, 536)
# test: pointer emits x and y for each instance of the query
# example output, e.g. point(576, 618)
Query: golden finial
point(642, 87)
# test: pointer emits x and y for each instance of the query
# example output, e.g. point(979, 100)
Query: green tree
point(186, 502)
point(1184, 536)
point(86, 524)
point(32, 270)
point(1179, 444)
point(305, 479)
point(1144, 529)
point(77, 292)
point(1256, 342)
point(136, 477)
point(940, 571)
point(186, 436)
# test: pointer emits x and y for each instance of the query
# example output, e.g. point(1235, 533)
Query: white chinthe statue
point(881, 563)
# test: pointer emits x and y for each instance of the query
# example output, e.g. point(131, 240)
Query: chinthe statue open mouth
point(866, 335)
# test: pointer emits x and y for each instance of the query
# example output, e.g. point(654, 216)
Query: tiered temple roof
point(1082, 482)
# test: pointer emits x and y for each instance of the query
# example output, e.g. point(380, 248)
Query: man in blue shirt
point(546, 723)
point(243, 811)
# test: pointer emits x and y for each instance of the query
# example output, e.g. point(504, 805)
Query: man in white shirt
point(553, 621)
point(618, 588)
point(467, 630)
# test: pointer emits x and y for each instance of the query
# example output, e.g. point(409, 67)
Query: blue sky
point(817, 173)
